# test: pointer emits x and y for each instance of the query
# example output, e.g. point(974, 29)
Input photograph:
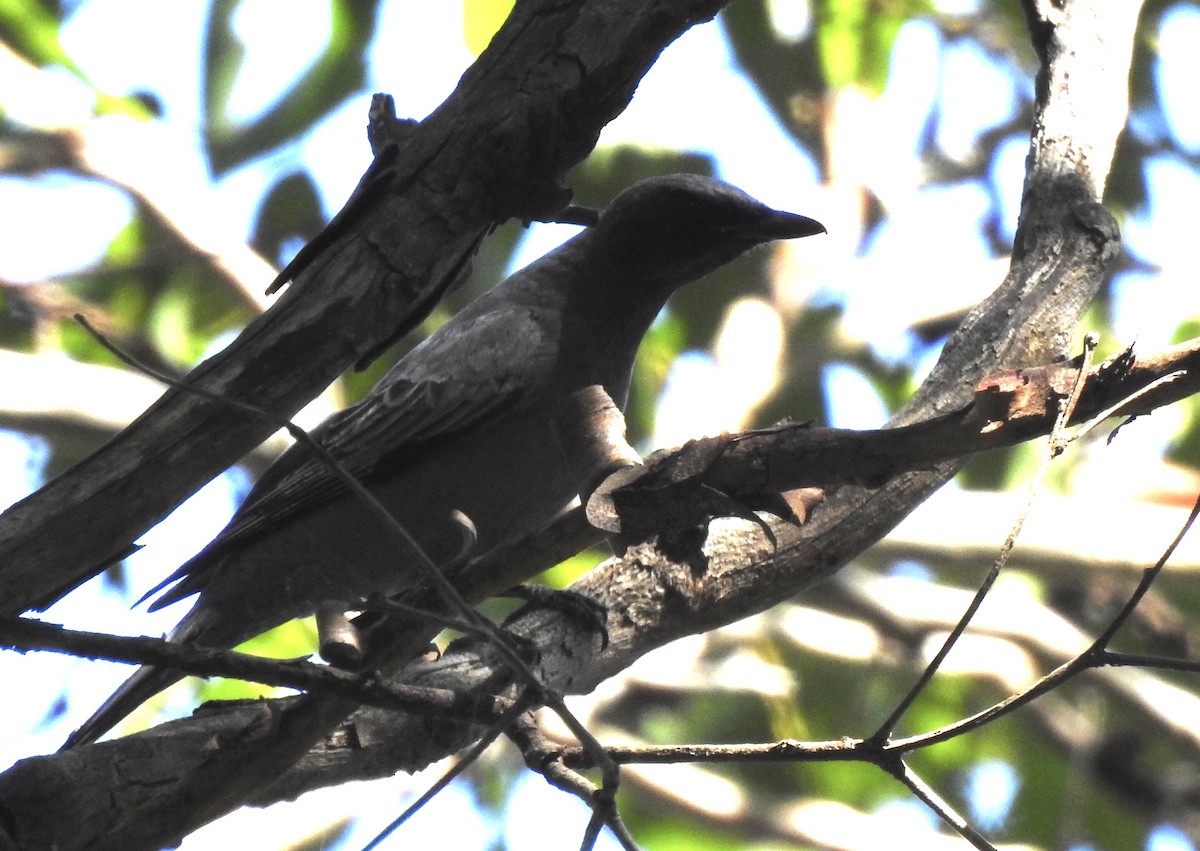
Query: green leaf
point(338, 72)
point(481, 20)
point(855, 39)
point(30, 29)
point(286, 641)
point(291, 640)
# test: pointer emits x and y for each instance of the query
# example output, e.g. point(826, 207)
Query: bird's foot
point(584, 610)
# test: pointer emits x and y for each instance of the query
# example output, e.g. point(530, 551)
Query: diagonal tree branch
point(530, 108)
point(1007, 408)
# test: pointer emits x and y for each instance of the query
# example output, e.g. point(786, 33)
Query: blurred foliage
point(30, 28)
point(293, 640)
point(334, 75)
point(855, 38)
point(290, 213)
point(155, 294)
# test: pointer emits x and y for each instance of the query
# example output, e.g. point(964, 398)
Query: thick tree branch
point(530, 108)
point(1007, 408)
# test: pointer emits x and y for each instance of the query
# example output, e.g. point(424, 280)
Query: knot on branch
point(1101, 226)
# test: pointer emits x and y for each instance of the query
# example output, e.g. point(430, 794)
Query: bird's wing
point(488, 364)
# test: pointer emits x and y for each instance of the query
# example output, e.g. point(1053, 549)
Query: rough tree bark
point(149, 789)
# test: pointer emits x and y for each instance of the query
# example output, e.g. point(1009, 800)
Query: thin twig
point(1054, 447)
point(1144, 660)
point(610, 771)
point(382, 604)
point(473, 753)
point(619, 830)
point(839, 750)
point(1095, 656)
point(545, 757)
point(410, 547)
point(28, 634)
point(1087, 427)
point(1148, 576)
point(926, 794)
point(429, 570)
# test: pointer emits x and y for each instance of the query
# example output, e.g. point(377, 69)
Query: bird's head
point(668, 231)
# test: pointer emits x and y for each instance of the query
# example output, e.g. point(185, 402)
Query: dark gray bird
point(463, 421)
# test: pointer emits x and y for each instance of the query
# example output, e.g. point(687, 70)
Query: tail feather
point(143, 685)
point(145, 682)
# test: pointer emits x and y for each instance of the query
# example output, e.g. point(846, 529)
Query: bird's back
point(463, 422)
point(338, 551)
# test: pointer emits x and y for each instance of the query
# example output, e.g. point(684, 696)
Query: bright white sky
point(693, 98)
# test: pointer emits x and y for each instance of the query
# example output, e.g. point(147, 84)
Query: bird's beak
point(780, 225)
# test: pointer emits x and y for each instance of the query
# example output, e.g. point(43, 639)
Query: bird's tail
point(146, 682)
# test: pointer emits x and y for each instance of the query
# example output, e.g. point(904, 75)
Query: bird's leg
point(591, 434)
point(339, 640)
point(470, 539)
point(342, 642)
point(378, 608)
point(590, 429)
